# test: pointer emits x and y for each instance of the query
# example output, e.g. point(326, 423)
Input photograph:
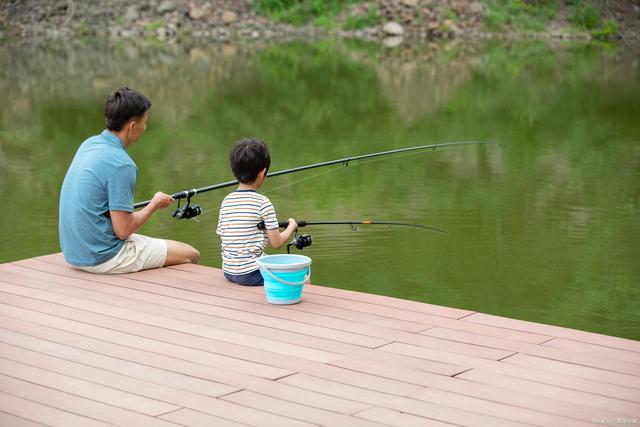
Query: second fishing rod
point(190, 211)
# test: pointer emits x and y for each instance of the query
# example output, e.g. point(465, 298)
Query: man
point(97, 221)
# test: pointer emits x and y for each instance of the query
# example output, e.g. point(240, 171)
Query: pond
point(544, 228)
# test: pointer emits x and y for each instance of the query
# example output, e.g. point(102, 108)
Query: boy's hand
point(292, 224)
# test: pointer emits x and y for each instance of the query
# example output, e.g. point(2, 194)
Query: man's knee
point(181, 253)
point(194, 256)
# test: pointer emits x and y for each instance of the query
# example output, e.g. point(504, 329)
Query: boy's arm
point(277, 239)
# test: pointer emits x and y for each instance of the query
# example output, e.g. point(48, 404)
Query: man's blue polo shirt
point(102, 177)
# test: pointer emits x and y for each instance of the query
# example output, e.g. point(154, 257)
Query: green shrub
point(520, 14)
point(300, 12)
point(369, 19)
point(585, 14)
point(325, 21)
point(608, 30)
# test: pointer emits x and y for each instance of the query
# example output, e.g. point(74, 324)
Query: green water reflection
point(545, 229)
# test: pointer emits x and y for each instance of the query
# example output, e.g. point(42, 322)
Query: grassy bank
point(568, 16)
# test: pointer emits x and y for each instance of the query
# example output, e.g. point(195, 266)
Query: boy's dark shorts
point(249, 279)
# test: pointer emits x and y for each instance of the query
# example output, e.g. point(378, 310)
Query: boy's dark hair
point(248, 157)
point(122, 105)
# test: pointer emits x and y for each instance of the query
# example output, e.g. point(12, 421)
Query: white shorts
point(139, 252)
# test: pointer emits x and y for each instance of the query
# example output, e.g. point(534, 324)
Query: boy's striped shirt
point(242, 242)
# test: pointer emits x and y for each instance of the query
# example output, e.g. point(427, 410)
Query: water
point(545, 228)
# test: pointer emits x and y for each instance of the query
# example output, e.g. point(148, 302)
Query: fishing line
point(365, 162)
point(303, 179)
point(287, 185)
point(444, 247)
point(360, 163)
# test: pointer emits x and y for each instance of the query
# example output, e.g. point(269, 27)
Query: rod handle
point(176, 196)
point(282, 224)
point(285, 224)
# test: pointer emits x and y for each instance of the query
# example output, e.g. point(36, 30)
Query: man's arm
point(126, 223)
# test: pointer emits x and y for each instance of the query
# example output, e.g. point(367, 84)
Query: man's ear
point(263, 172)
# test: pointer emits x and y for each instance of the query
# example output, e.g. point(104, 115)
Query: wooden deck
point(181, 346)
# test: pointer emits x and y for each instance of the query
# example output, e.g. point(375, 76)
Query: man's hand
point(161, 200)
point(126, 223)
point(293, 225)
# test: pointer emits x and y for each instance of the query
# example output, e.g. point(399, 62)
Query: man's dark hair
point(123, 105)
point(248, 157)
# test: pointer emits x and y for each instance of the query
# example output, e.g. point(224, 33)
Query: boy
point(241, 211)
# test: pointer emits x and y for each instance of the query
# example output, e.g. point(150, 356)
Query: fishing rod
point(301, 242)
point(189, 211)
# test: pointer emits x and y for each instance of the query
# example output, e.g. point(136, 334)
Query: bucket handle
point(273, 276)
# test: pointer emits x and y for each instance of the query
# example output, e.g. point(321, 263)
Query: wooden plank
point(563, 379)
point(459, 385)
point(44, 414)
point(290, 363)
point(577, 371)
point(135, 341)
point(378, 332)
point(20, 333)
point(334, 301)
point(387, 334)
point(281, 341)
point(204, 304)
point(555, 331)
point(386, 301)
point(195, 385)
point(213, 285)
point(72, 325)
point(494, 367)
point(376, 309)
point(560, 393)
point(117, 416)
point(189, 417)
point(13, 421)
point(300, 412)
point(483, 406)
point(390, 417)
point(138, 356)
point(86, 389)
point(201, 403)
point(403, 404)
point(433, 355)
point(596, 350)
point(580, 358)
point(77, 404)
point(356, 378)
point(187, 321)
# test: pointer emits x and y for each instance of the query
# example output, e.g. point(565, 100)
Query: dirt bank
point(229, 19)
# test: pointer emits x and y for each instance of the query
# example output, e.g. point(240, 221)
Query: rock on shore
point(224, 19)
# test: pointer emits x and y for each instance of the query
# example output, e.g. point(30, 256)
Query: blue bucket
point(284, 276)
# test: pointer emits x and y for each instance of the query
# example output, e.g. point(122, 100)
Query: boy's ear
point(263, 172)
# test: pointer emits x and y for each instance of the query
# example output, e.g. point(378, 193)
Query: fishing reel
point(300, 242)
point(188, 211)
